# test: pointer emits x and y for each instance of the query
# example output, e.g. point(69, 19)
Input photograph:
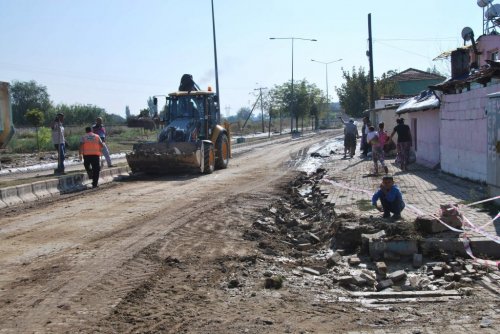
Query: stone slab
point(9, 196)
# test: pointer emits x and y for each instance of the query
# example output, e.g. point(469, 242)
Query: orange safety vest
point(91, 144)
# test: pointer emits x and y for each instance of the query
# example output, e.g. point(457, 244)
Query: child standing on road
point(391, 198)
point(378, 148)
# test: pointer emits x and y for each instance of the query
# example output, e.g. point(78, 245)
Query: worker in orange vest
point(90, 149)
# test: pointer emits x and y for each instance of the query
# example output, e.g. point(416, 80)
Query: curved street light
point(292, 107)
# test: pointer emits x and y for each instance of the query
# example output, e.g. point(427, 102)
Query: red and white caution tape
point(468, 224)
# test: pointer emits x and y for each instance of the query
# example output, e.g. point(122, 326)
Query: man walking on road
point(350, 136)
point(90, 149)
point(391, 198)
point(99, 129)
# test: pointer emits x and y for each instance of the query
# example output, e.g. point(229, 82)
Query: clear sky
point(113, 53)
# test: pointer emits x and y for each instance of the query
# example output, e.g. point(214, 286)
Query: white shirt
point(371, 135)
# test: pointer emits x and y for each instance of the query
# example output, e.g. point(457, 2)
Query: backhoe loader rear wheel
point(222, 146)
point(208, 158)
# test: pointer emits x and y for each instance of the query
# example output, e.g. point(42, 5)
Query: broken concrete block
point(381, 268)
point(449, 277)
point(397, 276)
point(457, 277)
point(334, 259)
point(438, 271)
point(354, 261)
point(369, 276)
point(466, 280)
point(358, 280)
point(429, 225)
point(470, 269)
point(417, 260)
point(345, 280)
point(387, 283)
point(366, 238)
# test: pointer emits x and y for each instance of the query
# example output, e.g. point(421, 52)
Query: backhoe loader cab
point(192, 138)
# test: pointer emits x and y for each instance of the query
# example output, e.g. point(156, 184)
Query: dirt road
point(167, 255)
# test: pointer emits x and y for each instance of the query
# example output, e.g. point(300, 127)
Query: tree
point(305, 95)
point(384, 86)
point(353, 94)
point(153, 108)
point(36, 118)
point(127, 112)
point(78, 114)
point(28, 95)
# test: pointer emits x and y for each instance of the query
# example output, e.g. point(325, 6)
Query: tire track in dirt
point(81, 282)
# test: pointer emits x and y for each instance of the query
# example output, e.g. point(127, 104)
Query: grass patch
point(364, 205)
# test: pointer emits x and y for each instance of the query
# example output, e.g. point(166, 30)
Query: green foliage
point(27, 143)
point(305, 95)
point(77, 114)
point(35, 117)
point(354, 93)
point(28, 95)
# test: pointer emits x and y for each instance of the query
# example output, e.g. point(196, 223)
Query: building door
point(414, 134)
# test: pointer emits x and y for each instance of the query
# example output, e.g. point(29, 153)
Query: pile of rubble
point(358, 254)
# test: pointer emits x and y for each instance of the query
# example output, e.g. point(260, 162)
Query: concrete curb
point(25, 193)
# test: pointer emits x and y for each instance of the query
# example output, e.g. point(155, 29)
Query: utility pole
point(370, 57)
point(261, 106)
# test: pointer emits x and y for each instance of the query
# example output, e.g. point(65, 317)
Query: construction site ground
point(223, 253)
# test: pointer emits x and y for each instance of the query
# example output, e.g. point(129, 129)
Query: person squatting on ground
point(391, 198)
point(99, 129)
point(59, 141)
point(404, 142)
point(365, 147)
point(90, 148)
point(350, 136)
point(377, 140)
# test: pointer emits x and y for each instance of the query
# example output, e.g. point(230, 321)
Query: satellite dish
point(467, 34)
point(492, 12)
point(483, 3)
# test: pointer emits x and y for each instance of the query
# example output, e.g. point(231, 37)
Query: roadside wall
point(463, 133)
point(426, 135)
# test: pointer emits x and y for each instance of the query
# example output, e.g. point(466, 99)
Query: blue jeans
point(61, 151)
point(395, 206)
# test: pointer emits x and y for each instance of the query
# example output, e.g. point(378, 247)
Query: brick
point(438, 271)
point(381, 268)
point(354, 261)
point(334, 259)
point(449, 277)
point(387, 283)
point(397, 276)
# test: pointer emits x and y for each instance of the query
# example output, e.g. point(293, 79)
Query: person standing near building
point(404, 142)
point(99, 129)
point(90, 149)
point(365, 147)
point(391, 198)
point(350, 136)
point(59, 141)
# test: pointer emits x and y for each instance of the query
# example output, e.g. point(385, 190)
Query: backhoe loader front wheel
point(222, 146)
point(208, 158)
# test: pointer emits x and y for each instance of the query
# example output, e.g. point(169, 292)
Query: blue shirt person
point(391, 198)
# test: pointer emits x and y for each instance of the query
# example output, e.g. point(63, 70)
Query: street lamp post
point(327, 96)
point(292, 106)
